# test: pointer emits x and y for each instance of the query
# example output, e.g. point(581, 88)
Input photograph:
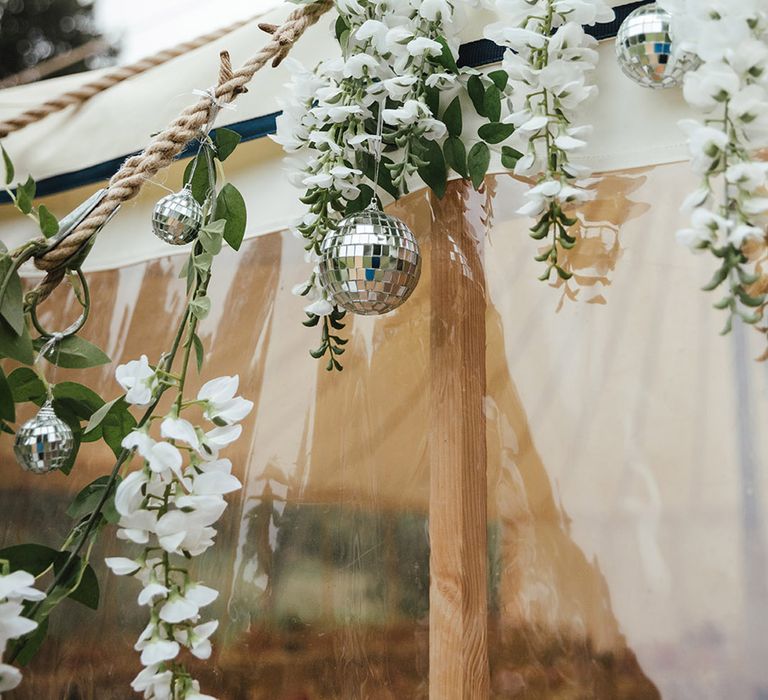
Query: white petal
point(158, 651)
point(215, 483)
point(201, 651)
point(201, 595)
point(122, 566)
point(164, 456)
point(179, 429)
point(10, 677)
point(177, 609)
point(219, 389)
point(152, 591)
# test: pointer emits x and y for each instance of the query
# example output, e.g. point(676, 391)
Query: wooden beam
point(458, 611)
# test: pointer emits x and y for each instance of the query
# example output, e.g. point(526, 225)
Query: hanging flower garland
point(729, 210)
point(170, 505)
point(396, 60)
point(547, 68)
point(172, 502)
point(15, 588)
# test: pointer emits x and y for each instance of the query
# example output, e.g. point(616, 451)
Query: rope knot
point(284, 37)
point(67, 251)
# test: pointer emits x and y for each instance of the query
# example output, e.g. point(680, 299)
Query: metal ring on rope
point(85, 302)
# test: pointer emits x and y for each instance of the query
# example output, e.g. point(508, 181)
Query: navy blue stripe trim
point(249, 130)
point(473, 54)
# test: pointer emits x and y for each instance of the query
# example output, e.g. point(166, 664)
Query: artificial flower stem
point(95, 515)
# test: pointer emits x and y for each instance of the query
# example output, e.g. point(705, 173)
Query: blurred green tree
point(33, 31)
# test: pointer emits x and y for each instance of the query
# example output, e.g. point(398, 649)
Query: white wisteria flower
point(138, 379)
point(15, 588)
point(170, 505)
point(395, 57)
point(221, 405)
point(729, 89)
point(548, 62)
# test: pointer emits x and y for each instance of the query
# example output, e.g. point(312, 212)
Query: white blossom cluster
point(170, 506)
point(730, 90)
point(329, 119)
point(548, 63)
point(15, 588)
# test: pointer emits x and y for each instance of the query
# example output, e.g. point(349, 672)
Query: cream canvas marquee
point(634, 127)
point(619, 434)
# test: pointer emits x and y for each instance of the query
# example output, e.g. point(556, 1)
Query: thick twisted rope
point(162, 150)
point(76, 97)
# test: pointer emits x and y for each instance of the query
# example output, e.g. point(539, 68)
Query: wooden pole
point(458, 612)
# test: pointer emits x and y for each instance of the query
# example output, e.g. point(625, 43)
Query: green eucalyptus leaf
point(203, 261)
point(7, 404)
point(432, 98)
point(434, 172)
point(492, 103)
point(98, 416)
point(14, 345)
point(86, 591)
point(74, 352)
point(478, 160)
point(32, 643)
point(341, 26)
point(49, 224)
point(211, 242)
point(361, 202)
point(184, 269)
point(196, 172)
point(26, 385)
point(226, 141)
point(476, 91)
point(33, 558)
point(509, 157)
point(499, 78)
point(9, 171)
point(230, 206)
point(11, 305)
point(116, 424)
point(89, 497)
point(452, 117)
point(25, 195)
point(217, 226)
point(446, 58)
point(197, 344)
point(366, 162)
point(495, 132)
point(79, 399)
point(456, 155)
point(200, 307)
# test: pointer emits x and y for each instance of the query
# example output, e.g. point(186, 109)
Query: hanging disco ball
point(43, 443)
point(177, 217)
point(370, 264)
point(646, 52)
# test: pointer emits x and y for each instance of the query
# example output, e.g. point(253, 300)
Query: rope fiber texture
point(82, 94)
point(165, 146)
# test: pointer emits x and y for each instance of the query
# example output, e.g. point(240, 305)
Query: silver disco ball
point(370, 264)
point(43, 443)
point(177, 218)
point(646, 52)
